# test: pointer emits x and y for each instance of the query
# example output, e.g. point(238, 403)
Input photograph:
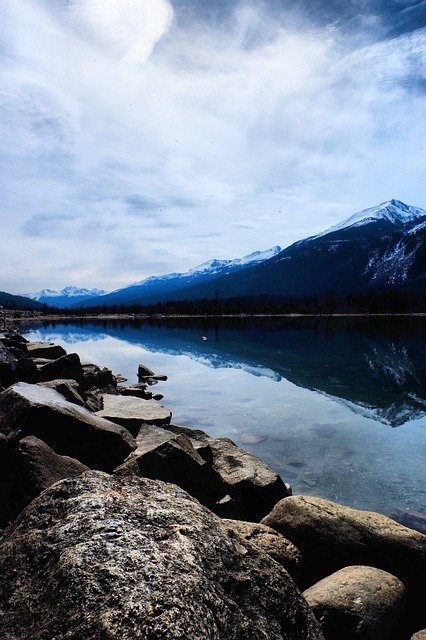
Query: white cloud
point(129, 141)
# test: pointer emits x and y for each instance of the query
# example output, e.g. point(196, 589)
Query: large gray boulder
point(27, 409)
point(258, 485)
point(103, 556)
point(131, 412)
point(163, 455)
point(34, 466)
point(359, 603)
point(269, 541)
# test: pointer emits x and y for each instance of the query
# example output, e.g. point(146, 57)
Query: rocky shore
point(117, 524)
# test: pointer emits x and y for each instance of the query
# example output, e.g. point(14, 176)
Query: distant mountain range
point(10, 301)
point(377, 248)
point(67, 297)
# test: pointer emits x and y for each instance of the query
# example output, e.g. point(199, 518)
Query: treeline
point(389, 301)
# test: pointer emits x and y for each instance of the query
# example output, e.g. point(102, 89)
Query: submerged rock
point(359, 603)
point(129, 559)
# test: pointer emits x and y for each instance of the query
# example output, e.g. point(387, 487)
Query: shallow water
point(336, 406)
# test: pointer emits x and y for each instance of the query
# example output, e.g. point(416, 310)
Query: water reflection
point(375, 366)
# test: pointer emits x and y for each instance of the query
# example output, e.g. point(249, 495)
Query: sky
point(141, 137)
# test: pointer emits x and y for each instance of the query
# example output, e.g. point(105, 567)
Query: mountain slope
point(157, 288)
point(67, 297)
point(10, 301)
point(378, 248)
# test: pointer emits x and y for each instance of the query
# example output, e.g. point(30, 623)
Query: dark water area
point(336, 405)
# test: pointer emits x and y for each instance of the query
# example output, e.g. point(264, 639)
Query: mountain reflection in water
point(376, 366)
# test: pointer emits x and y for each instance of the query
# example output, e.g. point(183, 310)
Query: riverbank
point(128, 438)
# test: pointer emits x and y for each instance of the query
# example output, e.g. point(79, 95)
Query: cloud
point(130, 127)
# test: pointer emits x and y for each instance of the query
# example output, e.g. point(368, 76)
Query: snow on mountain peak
point(66, 292)
point(393, 210)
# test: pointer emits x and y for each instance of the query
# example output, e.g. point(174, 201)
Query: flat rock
point(137, 393)
point(46, 350)
point(130, 559)
point(269, 541)
point(359, 603)
point(27, 409)
point(131, 412)
point(259, 486)
point(34, 466)
point(163, 455)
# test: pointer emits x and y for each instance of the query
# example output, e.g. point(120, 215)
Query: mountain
point(67, 297)
point(171, 285)
point(10, 301)
point(377, 248)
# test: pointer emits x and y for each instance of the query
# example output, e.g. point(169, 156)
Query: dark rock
point(15, 368)
point(67, 389)
point(132, 412)
point(270, 541)
point(33, 467)
point(93, 400)
point(94, 376)
point(157, 396)
point(100, 556)
point(145, 372)
point(199, 440)
point(137, 393)
point(70, 430)
point(358, 603)
point(162, 455)
point(45, 350)
point(65, 367)
point(260, 488)
point(228, 507)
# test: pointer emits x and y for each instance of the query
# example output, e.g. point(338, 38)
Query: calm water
point(336, 406)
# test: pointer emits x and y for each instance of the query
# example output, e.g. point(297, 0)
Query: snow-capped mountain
point(377, 248)
point(154, 288)
point(393, 211)
point(67, 297)
point(211, 267)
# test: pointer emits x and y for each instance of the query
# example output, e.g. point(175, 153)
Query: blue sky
point(139, 137)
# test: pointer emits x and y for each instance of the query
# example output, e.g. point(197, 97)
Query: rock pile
point(121, 524)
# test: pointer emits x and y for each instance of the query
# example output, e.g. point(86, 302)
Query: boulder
point(46, 350)
point(103, 556)
point(270, 541)
point(67, 389)
point(420, 635)
point(68, 366)
point(15, 367)
point(258, 485)
point(94, 376)
point(145, 372)
point(27, 409)
point(331, 536)
point(33, 467)
point(163, 455)
point(199, 440)
point(131, 412)
point(359, 603)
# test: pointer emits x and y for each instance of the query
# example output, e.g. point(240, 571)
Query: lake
point(337, 406)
